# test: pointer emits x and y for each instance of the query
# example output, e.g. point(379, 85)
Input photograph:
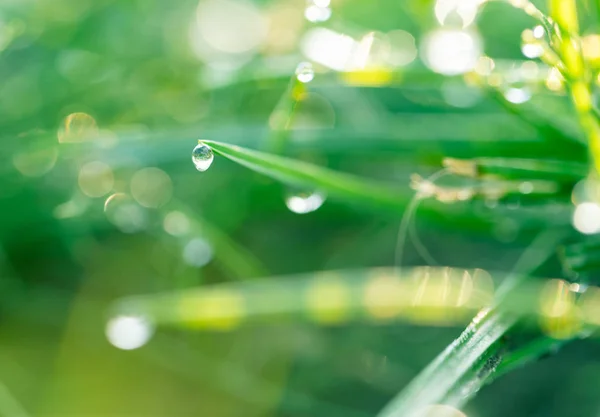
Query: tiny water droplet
point(532, 50)
point(539, 32)
point(587, 190)
point(517, 95)
point(315, 13)
point(129, 332)
point(202, 156)
point(526, 187)
point(197, 252)
point(176, 223)
point(586, 218)
point(305, 72)
point(302, 202)
point(122, 211)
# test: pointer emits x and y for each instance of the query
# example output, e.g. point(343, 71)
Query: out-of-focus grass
point(130, 66)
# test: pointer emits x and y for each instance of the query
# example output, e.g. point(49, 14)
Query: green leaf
point(306, 175)
point(457, 372)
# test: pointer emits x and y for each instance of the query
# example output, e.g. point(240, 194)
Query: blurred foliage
point(94, 92)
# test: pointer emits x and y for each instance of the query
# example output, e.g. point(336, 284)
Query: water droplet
point(76, 206)
point(302, 202)
point(129, 332)
point(578, 287)
point(305, 72)
point(532, 50)
point(587, 190)
point(95, 179)
point(451, 51)
point(539, 32)
point(202, 156)
point(35, 162)
point(124, 213)
point(151, 187)
point(526, 187)
point(197, 252)
point(316, 14)
point(77, 127)
point(554, 80)
point(586, 218)
point(176, 223)
point(533, 45)
point(517, 95)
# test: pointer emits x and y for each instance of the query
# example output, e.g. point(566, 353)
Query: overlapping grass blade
point(457, 372)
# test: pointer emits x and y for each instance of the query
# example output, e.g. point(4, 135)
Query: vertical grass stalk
point(564, 12)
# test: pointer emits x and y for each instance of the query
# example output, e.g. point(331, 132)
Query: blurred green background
point(96, 92)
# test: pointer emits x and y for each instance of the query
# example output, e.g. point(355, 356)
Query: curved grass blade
point(458, 368)
point(423, 295)
point(307, 175)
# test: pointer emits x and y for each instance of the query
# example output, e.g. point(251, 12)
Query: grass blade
point(456, 372)
point(302, 174)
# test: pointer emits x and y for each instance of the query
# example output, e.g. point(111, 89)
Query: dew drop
point(587, 190)
point(127, 215)
point(586, 218)
point(539, 32)
point(532, 50)
point(129, 332)
point(305, 72)
point(197, 252)
point(77, 127)
point(526, 187)
point(176, 223)
point(451, 51)
point(517, 95)
point(315, 13)
point(302, 202)
point(202, 156)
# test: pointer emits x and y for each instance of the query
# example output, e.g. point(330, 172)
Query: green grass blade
point(458, 368)
point(306, 175)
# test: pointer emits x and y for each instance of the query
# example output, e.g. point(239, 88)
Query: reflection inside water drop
point(202, 156)
point(129, 332)
point(302, 202)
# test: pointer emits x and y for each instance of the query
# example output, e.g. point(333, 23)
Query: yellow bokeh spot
point(35, 162)
point(219, 309)
point(438, 295)
point(591, 48)
point(95, 179)
point(328, 300)
point(560, 316)
point(369, 77)
point(151, 187)
point(384, 297)
point(77, 127)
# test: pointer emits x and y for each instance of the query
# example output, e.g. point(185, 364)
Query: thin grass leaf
point(457, 368)
point(302, 174)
